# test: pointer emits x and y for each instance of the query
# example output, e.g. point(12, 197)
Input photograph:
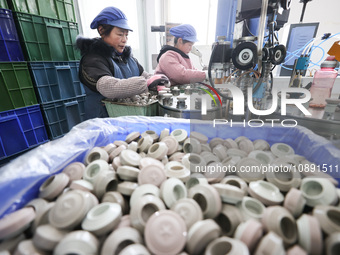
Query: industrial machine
point(245, 61)
point(243, 57)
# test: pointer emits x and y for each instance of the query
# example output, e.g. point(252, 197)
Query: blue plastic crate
point(12, 139)
point(61, 116)
point(21, 129)
point(9, 41)
point(56, 80)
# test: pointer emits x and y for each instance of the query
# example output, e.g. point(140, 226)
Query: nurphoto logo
point(239, 105)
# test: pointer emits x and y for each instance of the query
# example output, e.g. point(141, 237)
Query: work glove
point(159, 88)
point(157, 80)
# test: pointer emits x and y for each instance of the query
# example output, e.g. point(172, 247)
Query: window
point(201, 14)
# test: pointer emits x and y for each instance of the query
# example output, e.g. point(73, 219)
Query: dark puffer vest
point(98, 60)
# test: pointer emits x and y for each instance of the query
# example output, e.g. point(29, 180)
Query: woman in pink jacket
point(174, 62)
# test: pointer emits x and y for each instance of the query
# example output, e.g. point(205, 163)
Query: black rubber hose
point(209, 67)
point(272, 81)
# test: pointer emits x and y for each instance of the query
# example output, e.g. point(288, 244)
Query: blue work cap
point(111, 16)
point(185, 31)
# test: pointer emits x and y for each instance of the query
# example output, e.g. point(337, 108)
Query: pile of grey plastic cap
point(174, 193)
point(142, 99)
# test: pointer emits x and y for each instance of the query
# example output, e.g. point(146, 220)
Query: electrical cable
point(259, 82)
point(211, 80)
point(292, 55)
point(249, 71)
point(311, 48)
point(323, 41)
point(322, 57)
point(307, 46)
point(271, 81)
point(297, 51)
point(248, 16)
point(305, 49)
point(287, 68)
point(324, 38)
point(229, 76)
point(210, 77)
point(214, 90)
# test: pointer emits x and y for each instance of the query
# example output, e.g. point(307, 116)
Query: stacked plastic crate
point(21, 123)
point(47, 32)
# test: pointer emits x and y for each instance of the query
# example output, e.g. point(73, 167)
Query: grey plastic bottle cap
point(75, 170)
point(133, 136)
point(151, 174)
point(165, 233)
point(129, 158)
point(15, 223)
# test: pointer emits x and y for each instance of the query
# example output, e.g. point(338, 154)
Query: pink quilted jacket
point(178, 69)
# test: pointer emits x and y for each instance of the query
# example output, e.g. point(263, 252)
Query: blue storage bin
point(21, 129)
point(12, 138)
point(62, 115)
point(56, 80)
point(19, 182)
point(9, 41)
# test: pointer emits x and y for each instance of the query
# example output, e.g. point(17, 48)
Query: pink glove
point(159, 88)
point(157, 80)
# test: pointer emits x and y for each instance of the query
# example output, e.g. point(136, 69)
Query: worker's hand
point(157, 80)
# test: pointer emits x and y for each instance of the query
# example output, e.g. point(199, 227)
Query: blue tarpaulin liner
point(21, 178)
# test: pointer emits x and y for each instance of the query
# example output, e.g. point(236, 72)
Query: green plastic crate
point(115, 109)
point(16, 88)
point(55, 9)
point(46, 39)
point(3, 4)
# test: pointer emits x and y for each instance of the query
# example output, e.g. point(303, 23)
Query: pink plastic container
point(323, 83)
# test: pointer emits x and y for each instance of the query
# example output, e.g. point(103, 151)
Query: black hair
point(176, 40)
point(106, 29)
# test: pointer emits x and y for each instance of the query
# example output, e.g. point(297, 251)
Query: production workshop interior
point(169, 127)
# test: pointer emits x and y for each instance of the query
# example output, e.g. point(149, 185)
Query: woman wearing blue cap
point(107, 67)
point(174, 62)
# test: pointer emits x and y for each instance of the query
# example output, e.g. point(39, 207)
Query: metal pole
point(303, 10)
point(262, 26)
